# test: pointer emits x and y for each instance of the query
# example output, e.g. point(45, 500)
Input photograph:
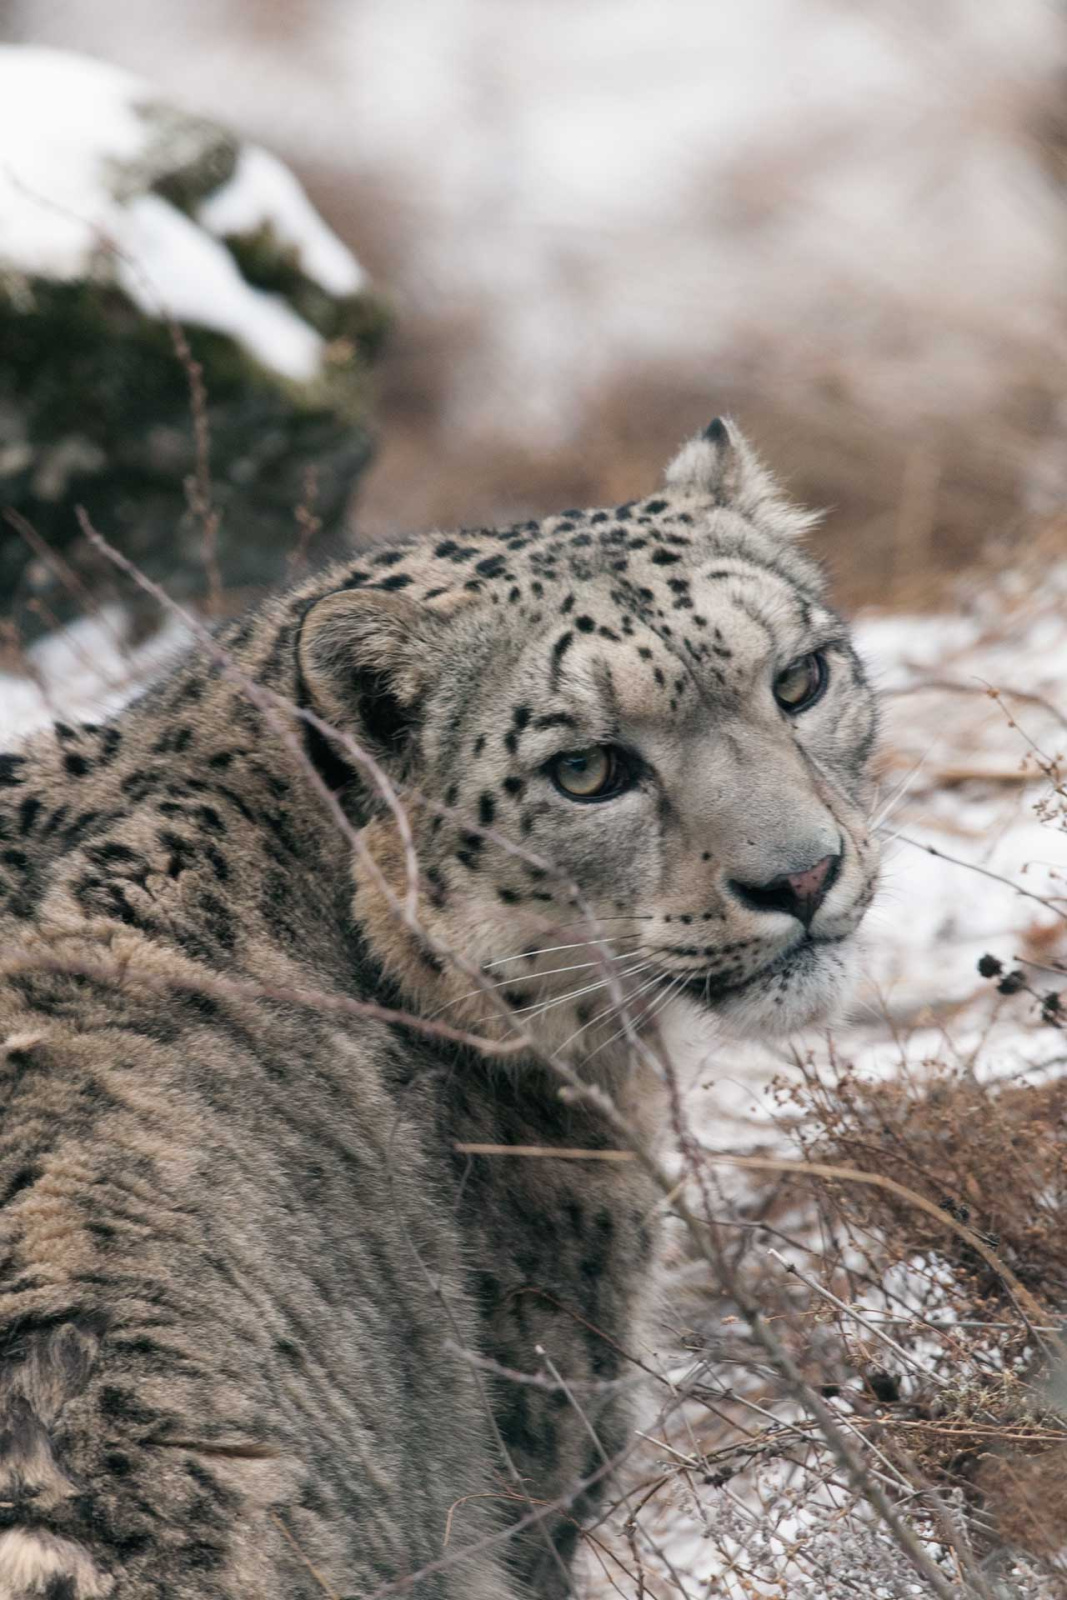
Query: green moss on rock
point(95, 410)
point(273, 264)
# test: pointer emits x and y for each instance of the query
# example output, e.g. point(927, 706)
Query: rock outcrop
point(184, 347)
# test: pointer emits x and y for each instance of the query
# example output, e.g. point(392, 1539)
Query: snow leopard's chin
point(810, 987)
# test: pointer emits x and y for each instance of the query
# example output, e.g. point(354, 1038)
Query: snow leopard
point(304, 947)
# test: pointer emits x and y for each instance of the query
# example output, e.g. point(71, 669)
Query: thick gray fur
point(253, 1301)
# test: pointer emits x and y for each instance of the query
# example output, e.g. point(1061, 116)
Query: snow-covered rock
point(122, 217)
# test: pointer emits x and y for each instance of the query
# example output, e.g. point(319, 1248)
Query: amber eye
point(598, 773)
point(802, 682)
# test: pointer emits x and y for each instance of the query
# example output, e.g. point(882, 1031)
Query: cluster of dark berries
point(1010, 982)
point(1053, 1010)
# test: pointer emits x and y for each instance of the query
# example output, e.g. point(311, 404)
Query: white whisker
point(675, 988)
point(540, 1008)
point(502, 983)
point(893, 837)
point(901, 790)
point(577, 944)
point(659, 1005)
point(618, 1034)
point(614, 1007)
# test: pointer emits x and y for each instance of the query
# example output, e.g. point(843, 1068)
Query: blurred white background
point(601, 222)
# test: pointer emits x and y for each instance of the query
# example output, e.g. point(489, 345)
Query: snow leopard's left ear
point(365, 658)
point(720, 466)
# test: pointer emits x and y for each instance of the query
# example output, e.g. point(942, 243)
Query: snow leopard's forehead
point(631, 557)
point(632, 610)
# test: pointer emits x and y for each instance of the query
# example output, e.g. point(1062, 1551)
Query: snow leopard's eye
point(598, 773)
point(802, 682)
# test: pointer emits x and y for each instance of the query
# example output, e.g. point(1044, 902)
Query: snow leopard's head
point(645, 716)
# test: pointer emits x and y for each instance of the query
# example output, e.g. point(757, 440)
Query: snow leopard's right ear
point(365, 658)
point(720, 466)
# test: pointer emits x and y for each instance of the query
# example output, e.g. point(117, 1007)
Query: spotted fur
point(240, 1254)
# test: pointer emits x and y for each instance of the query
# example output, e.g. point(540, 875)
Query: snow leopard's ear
point(365, 657)
point(720, 466)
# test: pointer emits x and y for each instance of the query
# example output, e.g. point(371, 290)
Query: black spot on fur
point(60, 1588)
point(449, 550)
point(438, 888)
point(24, 1178)
point(559, 650)
point(29, 811)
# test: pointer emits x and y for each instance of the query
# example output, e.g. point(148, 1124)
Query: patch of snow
point(170, 264)
point(895, 647)
point(65, 124)
point(83, 672)
point(262, 192)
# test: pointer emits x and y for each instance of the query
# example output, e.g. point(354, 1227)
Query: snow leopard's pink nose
point(798, 894)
